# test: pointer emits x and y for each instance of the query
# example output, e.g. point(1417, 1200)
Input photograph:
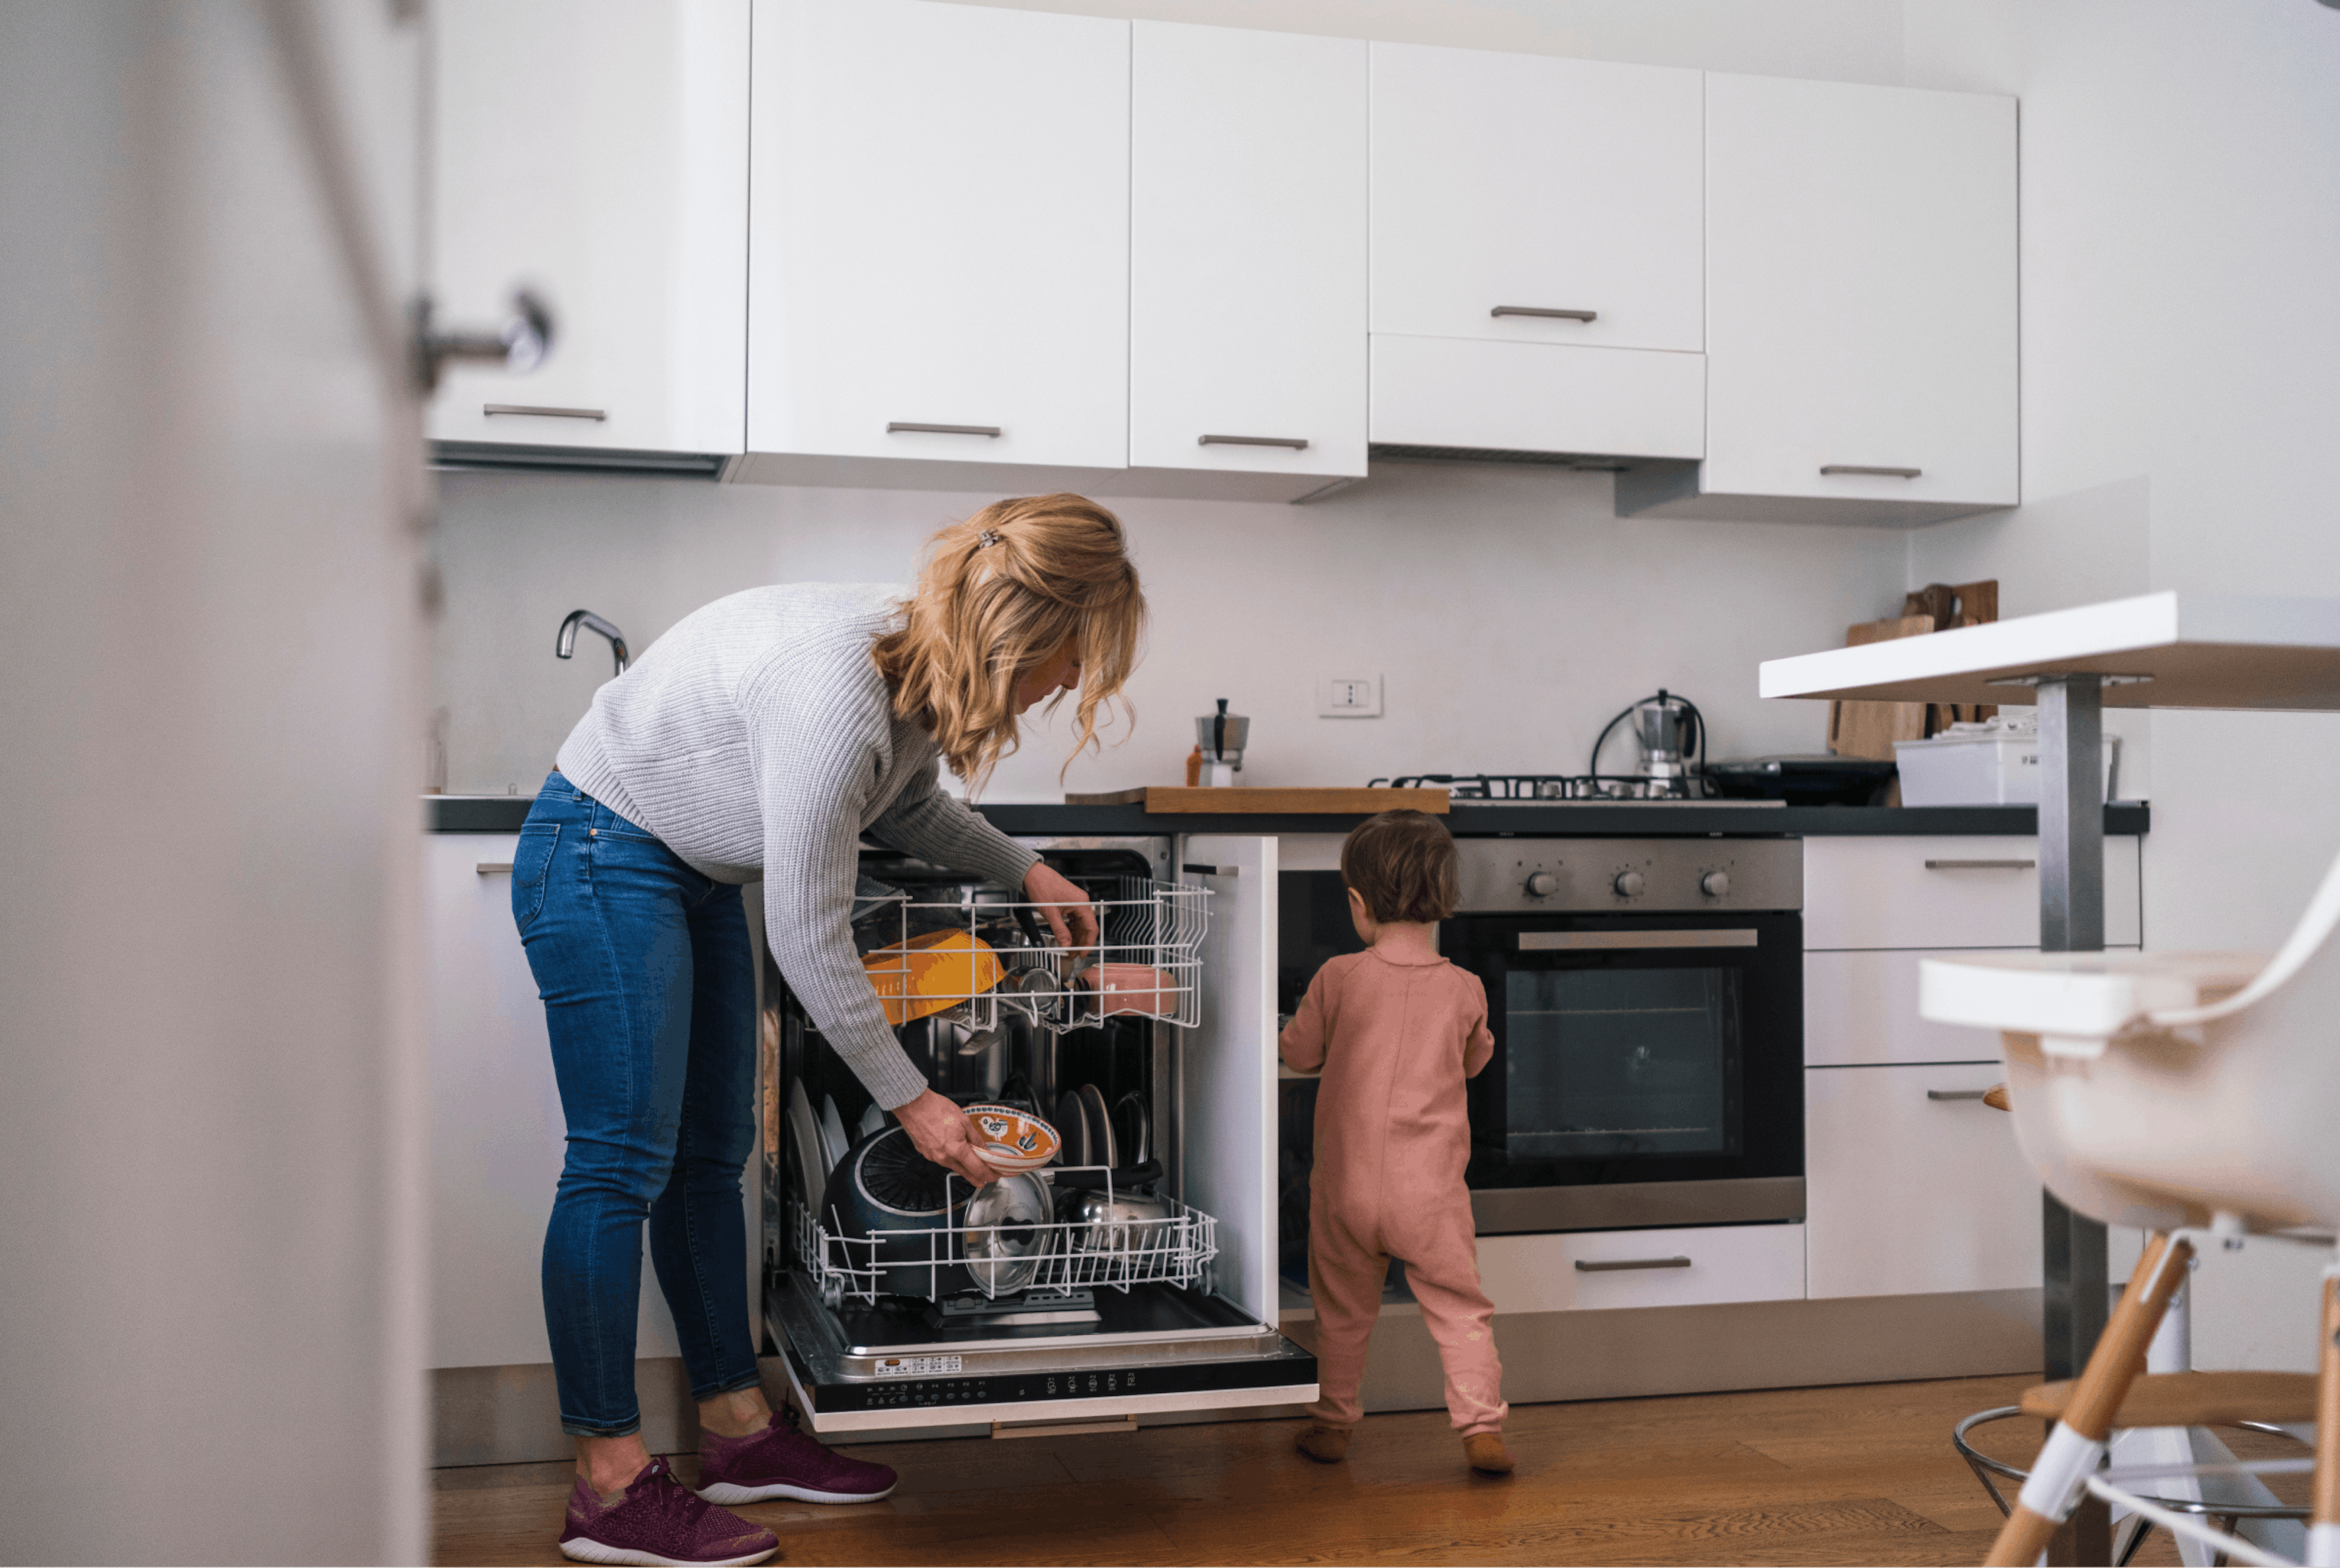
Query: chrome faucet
point(591, 623)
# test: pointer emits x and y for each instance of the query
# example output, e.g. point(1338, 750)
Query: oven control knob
point(1715, 884)
point(1629, 884)
point(1542, 884)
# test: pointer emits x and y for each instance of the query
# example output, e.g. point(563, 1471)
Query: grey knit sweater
point(756, 738)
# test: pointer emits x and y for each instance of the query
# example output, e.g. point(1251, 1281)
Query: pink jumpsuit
point(1392, 1135)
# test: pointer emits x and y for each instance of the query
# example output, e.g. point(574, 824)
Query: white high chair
point(2195, 1096)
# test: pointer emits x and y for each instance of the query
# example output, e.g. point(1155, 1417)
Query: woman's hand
point(1061, 902)
point(939, 1131)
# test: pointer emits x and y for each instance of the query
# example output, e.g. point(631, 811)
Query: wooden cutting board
point(1870, 729)
point(1161, 799)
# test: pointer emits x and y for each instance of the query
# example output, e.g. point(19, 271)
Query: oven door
point(1648, 1069)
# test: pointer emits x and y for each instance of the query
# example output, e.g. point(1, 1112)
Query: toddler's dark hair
point(1403, 865)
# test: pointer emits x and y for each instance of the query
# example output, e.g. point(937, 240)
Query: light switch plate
point(1349, 697)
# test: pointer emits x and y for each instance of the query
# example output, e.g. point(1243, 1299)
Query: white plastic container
point(1993, 763)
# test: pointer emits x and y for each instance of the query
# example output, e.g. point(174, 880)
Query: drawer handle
point(1540, 310)
point(1577, 941)
point(1981, 864)
point(896, 427)
point(1297, 443)
point(1863, 467)
point(1613, 1267)
point(541, 411)
point(1956, 1094)
point(489, 868)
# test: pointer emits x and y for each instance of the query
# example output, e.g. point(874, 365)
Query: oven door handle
point(1564, 941)
point(1612, 1266)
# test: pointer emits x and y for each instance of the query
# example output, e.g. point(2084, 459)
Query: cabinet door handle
point(1982, 865)
point(543, 412)
point(489, 868)
point(895, 427)
point(1295, 442)
point(1541, 310)
point(1956, 1094)
point(1867, 468)
point(1616, 1265)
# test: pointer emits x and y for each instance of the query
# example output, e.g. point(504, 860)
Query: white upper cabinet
point(1537, 254)
point(1860, 324)
point(598, 151)
point(1247, 250)
point(1527, 183)
point(939, 235)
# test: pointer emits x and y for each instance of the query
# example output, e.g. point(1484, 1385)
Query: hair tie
point(986, 539)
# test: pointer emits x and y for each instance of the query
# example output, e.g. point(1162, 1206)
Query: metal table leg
point(2072, 920)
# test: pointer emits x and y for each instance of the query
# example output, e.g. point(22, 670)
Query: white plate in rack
point(833, 1142)
point(804, 1133)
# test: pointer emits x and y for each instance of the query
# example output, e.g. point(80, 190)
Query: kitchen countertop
point(1468, 819)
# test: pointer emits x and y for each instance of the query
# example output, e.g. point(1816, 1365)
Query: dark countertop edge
point(504, 814)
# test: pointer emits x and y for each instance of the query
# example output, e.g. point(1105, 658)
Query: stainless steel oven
point(1646, 997)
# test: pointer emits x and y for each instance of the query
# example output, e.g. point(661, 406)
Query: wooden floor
point(1860, 1474)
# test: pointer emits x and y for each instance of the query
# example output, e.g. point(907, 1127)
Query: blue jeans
point(650, 994)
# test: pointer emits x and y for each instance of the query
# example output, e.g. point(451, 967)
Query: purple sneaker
point(781, 1461)
point(660, 1521)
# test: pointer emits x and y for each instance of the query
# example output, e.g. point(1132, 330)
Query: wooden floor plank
point(1836, 1475)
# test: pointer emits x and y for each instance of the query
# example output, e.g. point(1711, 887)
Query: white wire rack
point(996, 1260)
point(982, 956)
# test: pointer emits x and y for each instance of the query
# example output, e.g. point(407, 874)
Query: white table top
point(2202, 651)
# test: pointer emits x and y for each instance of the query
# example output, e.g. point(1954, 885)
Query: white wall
point(2181, 382)
point(210, 1130)
point(1511, 614)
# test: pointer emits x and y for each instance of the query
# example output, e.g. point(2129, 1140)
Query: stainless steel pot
point(1124, 1222)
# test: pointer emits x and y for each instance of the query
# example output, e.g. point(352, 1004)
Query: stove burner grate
point(1532, 787)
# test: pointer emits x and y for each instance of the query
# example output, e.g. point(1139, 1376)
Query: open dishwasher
point(1134, 1274)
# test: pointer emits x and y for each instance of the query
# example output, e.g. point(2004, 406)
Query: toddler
point(1396, 1029)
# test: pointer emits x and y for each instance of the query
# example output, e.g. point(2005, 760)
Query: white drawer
point(1905, 1195)
point(1946, 892)
point(1727, 1263)
point(1536, 397)
point(1860, 1009)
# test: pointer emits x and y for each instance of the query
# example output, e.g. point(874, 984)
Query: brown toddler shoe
point(1325, 1443)
point(1484, 1451)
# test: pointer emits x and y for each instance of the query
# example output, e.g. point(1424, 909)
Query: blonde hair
point(1002, 594)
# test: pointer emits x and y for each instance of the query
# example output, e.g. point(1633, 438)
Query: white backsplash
point(1509, 614)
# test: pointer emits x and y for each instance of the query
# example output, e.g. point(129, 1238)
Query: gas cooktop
point(1544, 789)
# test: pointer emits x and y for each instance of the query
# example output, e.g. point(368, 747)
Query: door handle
point(519, 344)
point(1956, 1094)
point(1618, 1264)
point(1863, 468)
point(489, 868)
point(1981, 864)
point(1552, 941)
